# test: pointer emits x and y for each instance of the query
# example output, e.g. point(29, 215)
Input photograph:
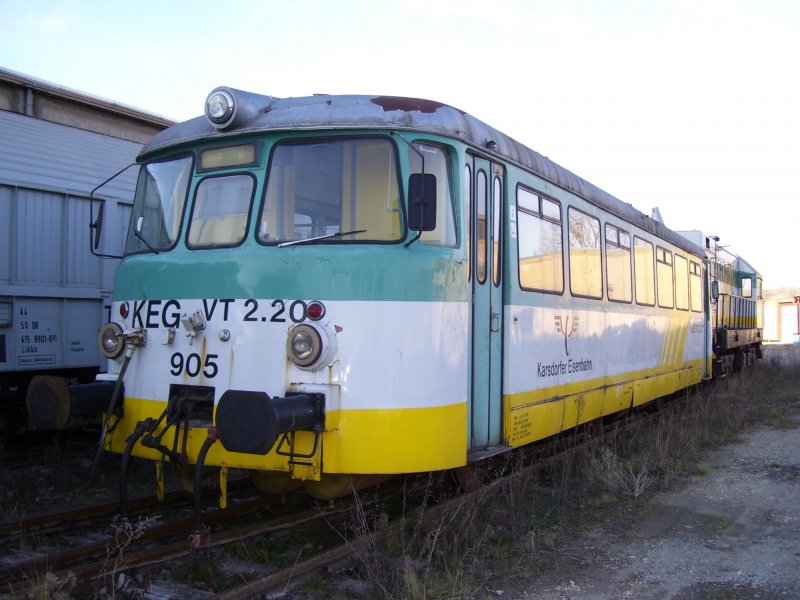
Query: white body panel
point(406, 354)
point(547, 347)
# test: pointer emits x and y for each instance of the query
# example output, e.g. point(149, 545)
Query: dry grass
point(516, 524)
point(125, 532)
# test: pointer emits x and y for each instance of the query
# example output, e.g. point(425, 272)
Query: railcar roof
point(326, 112)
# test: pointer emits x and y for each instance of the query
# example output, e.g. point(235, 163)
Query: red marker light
point(315, 310)
point(123, 310)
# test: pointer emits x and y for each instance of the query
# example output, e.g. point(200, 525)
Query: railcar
point(54, 295)
point(330, 290)
point(737, 308)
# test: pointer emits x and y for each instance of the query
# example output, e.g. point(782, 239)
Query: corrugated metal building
point(56, 146)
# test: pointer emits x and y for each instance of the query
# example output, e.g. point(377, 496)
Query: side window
point(219, 214)
point(496, 218)
point(643, 272)
point(618, 264)
point(480, 224)
point(346, 189)
point(681, 283)
point(436, 163)
point(159, 203)
point(539, 240)
point(695, 286)
point(468, 196)
point(664, 277)
point(585, 264)
point(747, 287)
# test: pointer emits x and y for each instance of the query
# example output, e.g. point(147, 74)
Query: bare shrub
point(623, 477)
point(49, 586)
point(125, 532)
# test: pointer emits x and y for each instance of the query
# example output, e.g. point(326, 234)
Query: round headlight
point(304, 345)
point(110, 340)
point(220, 107)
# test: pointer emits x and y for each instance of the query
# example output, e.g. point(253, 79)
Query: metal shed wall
point(47, 156)
point(47, 172)
point(56, 287)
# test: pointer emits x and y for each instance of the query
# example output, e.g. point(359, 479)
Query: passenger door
point(486, 276)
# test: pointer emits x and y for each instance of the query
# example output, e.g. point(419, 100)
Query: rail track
point(143, 540)
point(25, 449)
point(157, 535)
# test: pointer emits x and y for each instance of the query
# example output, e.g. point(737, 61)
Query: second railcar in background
point(56, 146)
point(334, 289)
point(54, 294)
point(737, 306)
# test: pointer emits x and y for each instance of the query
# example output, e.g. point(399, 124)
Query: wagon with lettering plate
point(54, 294)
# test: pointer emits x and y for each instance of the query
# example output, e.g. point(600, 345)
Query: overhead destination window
point(228, 156)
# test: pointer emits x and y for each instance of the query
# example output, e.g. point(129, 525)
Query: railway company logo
point(566, 329)
point(558, 367)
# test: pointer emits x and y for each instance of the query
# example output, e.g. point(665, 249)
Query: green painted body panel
point(367, 272)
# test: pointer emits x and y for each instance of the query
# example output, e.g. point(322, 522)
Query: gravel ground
point(731, 531)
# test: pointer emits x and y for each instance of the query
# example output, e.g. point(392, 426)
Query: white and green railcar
point(334, 289)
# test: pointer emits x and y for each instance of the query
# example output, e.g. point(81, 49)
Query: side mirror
point(715, 290)
point(96, 225)
point(422, 202)
point(96, 228)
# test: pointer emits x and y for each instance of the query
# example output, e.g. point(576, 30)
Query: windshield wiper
point(320, 237)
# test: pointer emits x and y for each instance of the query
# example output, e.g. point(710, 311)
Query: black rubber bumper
point(250, 422)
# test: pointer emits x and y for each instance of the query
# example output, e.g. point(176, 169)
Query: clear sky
point(691, 106)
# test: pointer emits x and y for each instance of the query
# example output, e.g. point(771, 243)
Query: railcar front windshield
point(158, 206)
point(336, 190)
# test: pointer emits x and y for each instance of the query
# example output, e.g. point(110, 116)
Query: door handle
point(494, 324)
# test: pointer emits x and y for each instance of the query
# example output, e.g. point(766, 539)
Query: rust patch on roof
point(389, 103)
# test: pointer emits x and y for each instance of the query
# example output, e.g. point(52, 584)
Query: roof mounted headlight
point(110, 340)
point(227, 107)
point(220, 108)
